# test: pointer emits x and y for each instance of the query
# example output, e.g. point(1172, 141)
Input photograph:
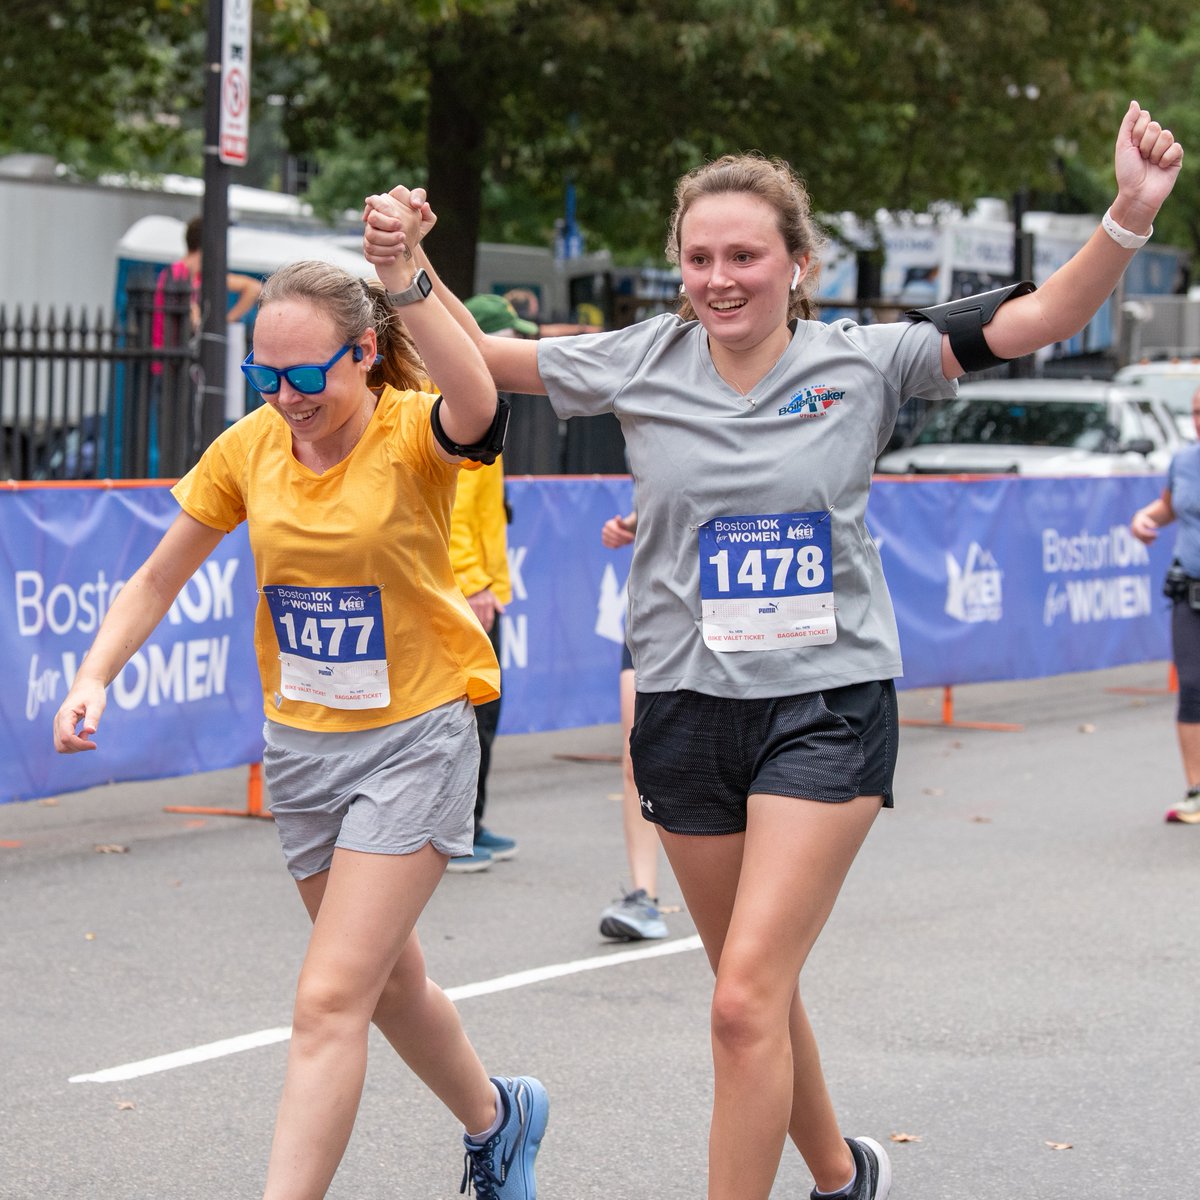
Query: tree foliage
point(879, 103)
point(1168, 70)
point(118, 85)
point(497, 104)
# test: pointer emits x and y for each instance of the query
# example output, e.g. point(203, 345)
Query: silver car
point(1174, 380)
point(1040, 427)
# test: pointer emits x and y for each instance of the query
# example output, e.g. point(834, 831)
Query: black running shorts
point(1185, 649)
point(697, 758)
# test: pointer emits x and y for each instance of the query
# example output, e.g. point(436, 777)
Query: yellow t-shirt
point(478, 533)
point(362, 549)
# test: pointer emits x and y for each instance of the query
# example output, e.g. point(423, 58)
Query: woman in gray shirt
point(761, 629)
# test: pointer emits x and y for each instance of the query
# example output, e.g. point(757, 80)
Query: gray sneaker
point(633, 918)
point(1187, 811)
point(873, 1172)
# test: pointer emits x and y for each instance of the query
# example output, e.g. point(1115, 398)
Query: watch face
point(420, 287)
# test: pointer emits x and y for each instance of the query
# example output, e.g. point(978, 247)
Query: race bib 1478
point(766, 582)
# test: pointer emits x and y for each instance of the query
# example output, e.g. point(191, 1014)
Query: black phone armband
point(962, 320)
point(488, 448)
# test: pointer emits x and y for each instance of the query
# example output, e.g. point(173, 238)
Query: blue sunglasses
point(307, 378)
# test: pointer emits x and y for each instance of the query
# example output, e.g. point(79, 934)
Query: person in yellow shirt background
point(479, 557)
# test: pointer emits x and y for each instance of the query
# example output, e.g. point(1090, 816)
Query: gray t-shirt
point(804, 441)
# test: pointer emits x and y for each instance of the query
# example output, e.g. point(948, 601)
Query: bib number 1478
point(768, 570)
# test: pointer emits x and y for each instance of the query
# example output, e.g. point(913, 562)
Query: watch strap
point(420, 287)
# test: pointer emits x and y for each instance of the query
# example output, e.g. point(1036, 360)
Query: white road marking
point(268, 1037)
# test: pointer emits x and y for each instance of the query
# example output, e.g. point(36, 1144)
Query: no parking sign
point(234, 138)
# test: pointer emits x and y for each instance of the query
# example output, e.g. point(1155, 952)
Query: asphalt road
point(1011, 977)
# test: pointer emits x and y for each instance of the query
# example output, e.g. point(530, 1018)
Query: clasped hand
point(394, 225)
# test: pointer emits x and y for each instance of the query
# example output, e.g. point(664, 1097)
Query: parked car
point(1040, 427)
point(1172, 380)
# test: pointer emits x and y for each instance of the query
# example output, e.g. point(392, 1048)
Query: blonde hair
point(353, 306)
point(772, 180)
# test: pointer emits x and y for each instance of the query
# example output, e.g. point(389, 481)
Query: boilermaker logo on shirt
point(812, 402)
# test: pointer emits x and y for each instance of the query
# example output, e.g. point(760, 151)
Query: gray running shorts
point(382, 791)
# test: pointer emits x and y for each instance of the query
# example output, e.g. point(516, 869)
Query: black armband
point(963, 321)
point(488, 448)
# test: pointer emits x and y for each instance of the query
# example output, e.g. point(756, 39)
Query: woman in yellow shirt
point(371, 660)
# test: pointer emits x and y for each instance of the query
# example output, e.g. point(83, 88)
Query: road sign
point(235, 83)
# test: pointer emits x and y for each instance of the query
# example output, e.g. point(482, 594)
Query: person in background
point(479, 556)
point(1180, 501)
point(766, 728)
point(370, 661)
point(525, 305)
point(245, 288)
point(635, 916)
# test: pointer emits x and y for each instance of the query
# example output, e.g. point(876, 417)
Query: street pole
point(213, 300)
point(1023, 367)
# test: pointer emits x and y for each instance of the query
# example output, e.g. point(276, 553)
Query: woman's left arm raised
point(1147, 160)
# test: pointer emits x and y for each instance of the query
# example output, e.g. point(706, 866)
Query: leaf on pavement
point(906, 1137)
point(111, 848)
point(1060, 1145)
point(125, 1105)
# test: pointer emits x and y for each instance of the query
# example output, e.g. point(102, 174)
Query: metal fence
point(107, 396)
point(116, 396)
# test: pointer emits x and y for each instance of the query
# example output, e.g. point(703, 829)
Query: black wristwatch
point(420, 287)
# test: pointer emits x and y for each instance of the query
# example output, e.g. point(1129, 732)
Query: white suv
point(1173, 380)
point(1040, 427)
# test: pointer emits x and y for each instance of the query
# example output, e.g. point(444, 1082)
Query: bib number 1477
point(336, 627)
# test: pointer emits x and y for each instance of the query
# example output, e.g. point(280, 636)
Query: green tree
point(496, 104)
point(118, 85)
point(1168, 70)
point(879, 103)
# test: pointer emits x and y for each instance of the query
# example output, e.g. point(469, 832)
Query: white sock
point(845, 1189)
point(480, 1138)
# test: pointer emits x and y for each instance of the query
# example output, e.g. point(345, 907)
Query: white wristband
point(1124, 238)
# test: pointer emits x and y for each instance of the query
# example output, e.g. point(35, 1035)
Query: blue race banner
point(188, 701)
point(561, 636)
point(992, 579)
point(1012, 578)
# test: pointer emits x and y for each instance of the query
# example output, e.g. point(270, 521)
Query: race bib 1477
point(331, 645)
point(766, 582)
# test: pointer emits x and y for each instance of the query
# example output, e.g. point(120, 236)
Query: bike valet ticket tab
point(766, 582)
point(331, 645)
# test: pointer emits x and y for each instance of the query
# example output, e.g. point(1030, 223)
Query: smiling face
point(290, 332)
point(736, 268)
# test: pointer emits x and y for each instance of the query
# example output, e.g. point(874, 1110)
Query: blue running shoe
point(502, 1167)
point(496, 844)
point(468, 864)
point(633, 918)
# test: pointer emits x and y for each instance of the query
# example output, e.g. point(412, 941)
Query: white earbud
point(795, 276)
point(682, 290)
